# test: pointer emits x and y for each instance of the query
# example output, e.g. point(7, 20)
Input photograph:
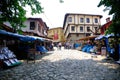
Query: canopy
point(99, 37)
point(38, 38)
point(88, 37)
point(103, 36)
point(11, 35)
point(19, 37)
point(109, 35)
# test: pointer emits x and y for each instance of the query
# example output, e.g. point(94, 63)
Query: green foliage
point(13, 11)
point(114, 9)
point(61, 1)
point(112, 5)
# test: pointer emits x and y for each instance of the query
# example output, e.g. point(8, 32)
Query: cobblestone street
point(64, 65)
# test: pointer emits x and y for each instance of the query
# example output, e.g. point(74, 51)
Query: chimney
point(108, 19)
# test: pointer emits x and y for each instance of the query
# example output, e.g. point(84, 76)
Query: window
point(88, 29)
point(77, 35)
point(81, 20)
point(32, 25)
point(69, 19)
point(96, 20)
point(95, 28)
point(81, 28)
point(87, 34)
point(39, 28)
point(42, 31)
point(73, 28)
point(87, 20)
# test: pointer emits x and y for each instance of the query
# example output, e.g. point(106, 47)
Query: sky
point(54, 11)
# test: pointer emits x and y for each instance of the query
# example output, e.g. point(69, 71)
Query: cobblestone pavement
point(64, 65)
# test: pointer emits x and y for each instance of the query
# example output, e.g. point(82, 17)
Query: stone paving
point(64, 65)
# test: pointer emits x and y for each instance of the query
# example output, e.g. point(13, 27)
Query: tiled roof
point(42, 23)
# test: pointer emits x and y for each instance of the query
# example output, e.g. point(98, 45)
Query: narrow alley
point(64, 65)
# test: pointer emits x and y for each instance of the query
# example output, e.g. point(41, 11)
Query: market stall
point(109, 49)
point(20, 45)
point(8, 58)
point(87, 43)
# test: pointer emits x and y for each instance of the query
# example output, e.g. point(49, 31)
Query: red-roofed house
point(105, 26)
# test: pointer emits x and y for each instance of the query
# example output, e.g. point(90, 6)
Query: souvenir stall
point(7, 56)
point(41, 44)
point(48, 43)
point(31, 44)
point(107, 46)
point(110, 40)
point(35, 47)
point(102, 43)
point(9, 48)
point(22, 46)
point(77, 45)
point(87, 43)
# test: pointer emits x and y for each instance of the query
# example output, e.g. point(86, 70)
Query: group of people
point(59, 45)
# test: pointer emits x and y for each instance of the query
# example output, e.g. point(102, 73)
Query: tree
point(61, 1)
point(13, 11)
point(114, 9)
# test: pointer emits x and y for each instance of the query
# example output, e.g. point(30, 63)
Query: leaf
point(13, 11)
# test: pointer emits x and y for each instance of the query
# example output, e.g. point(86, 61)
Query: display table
point(7, 58)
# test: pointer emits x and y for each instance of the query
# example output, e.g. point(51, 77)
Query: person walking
point(60, 45)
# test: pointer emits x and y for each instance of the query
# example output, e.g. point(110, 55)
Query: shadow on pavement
point(65, 69)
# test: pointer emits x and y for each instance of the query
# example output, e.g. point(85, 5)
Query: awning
point(88, 37)
point(19, 37)
point(38, 38)
point(11, 35)
point(99, 37)
point(27, 38)
point(103, 36)
point(109, 35)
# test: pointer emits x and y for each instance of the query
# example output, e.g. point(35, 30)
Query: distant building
point(77, 26)
point(57, 34)
point(35, 27)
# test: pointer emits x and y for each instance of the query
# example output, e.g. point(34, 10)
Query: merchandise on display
point(8, 57)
